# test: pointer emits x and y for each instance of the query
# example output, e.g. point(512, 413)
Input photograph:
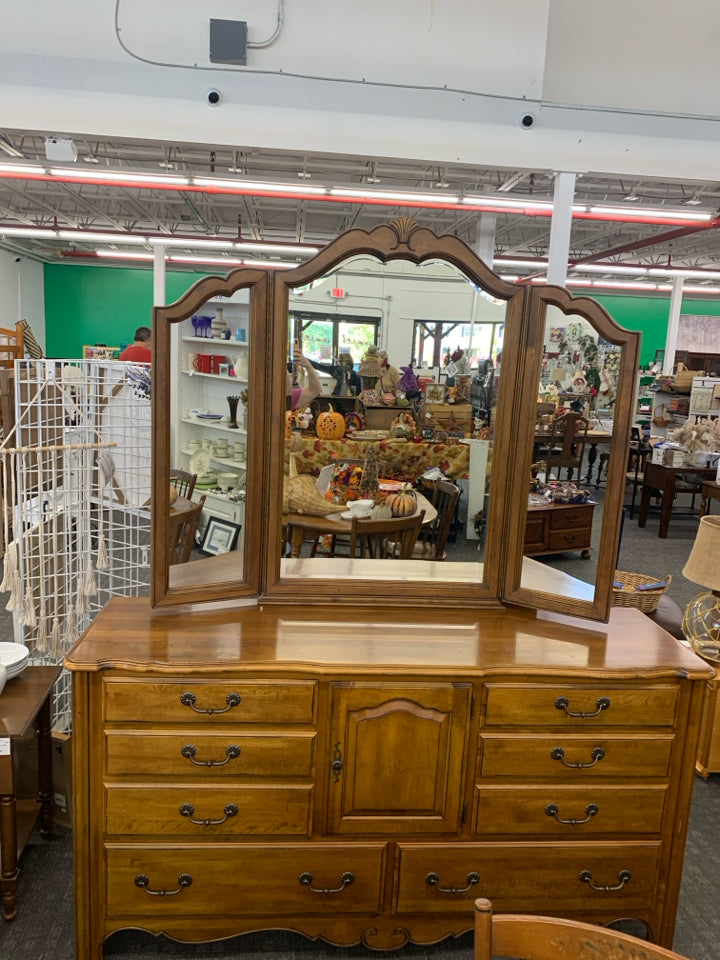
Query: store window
point(322, 337)
point(435, 340)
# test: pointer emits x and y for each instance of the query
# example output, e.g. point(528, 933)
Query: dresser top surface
point(129, 634)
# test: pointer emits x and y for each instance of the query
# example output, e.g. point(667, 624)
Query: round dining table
point(301, 524)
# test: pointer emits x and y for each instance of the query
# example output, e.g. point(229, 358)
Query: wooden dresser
point(365, 777)
point(558, 527)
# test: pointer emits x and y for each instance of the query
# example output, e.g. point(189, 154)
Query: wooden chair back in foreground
point(12, 345)
point(183, 482)
point(551, 938)
point(433, 537)
point(385, 539)
point(184, 520)
point(567, 445)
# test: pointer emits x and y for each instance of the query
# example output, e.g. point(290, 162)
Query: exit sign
point(337, 292)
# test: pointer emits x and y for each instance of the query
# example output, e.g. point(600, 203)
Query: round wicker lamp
point(701, 623)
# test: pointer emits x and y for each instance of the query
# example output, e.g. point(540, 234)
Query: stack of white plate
point(14, 657)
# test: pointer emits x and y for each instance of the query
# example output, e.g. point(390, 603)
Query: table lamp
point(701, 623)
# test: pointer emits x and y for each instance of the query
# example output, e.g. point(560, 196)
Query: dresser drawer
point(239, 880)
point(560, 540)
point(564, 703)
point(580, 516)
point(199, 753)
point(549, 810)
point(207, 812)
point(527, 878)
point(222, 701)
point(572, 757)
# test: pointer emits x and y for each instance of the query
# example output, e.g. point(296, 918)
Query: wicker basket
point(628, 596)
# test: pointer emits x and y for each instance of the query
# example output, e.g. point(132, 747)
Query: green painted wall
point(650, 316)
point(86, 305)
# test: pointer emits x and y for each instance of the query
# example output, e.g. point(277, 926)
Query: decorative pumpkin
point(330, 425)
point(403, 503)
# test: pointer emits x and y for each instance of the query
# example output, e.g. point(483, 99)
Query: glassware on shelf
point(233, 404)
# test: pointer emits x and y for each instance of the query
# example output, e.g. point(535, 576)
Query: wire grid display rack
point(76, 489)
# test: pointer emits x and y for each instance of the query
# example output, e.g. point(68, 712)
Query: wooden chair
point(433, 537)
point(182, 530)
point(566, 446)
point(551, 938)
point(385, 539)
point(12, 345)
point(183, 482)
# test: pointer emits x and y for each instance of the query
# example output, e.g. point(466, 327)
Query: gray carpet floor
point(43, 929)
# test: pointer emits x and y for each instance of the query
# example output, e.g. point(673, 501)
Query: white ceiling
point(199, 215)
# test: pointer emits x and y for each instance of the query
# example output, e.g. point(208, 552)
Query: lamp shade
point(703, 564)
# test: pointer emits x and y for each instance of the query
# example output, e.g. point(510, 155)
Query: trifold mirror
point(284, 531)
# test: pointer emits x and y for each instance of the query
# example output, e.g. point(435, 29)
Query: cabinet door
point(396, 757)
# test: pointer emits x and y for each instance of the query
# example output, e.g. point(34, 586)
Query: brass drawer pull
point(142, 881)
point(189, 752)
point(591, 810)
point(345, 880)
point(602, 703)
point(187, 810)
point(557, 753)
point(433, 880)
point(232, 700)
point(623, 877)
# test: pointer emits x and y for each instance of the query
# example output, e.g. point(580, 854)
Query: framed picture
point(427, 433)
point(435, 392)
point(221, 536)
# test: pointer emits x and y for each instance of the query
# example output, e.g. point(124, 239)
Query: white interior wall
point(619, 88)
point(22, 293)
point(400, 300)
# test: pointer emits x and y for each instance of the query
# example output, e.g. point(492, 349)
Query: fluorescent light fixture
point(610, 268)
point(125, 254)
point(248, 186)
point(22, 169)
point(679, 272)
point(279, 264)
point(287, 249)
point(28, 232)
point(172, 241)
point(392, 196)
point(624, 285)
point(118, 176)
point(223, 261)
point(523, 264)
point(86, 236)
point(511, 204)
point(649, 213)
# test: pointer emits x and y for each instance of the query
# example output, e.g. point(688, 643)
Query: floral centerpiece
point(345, 483)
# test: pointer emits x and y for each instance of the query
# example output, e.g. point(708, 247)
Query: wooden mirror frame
point(221, 577)
point(547, 595)
point(401, 239)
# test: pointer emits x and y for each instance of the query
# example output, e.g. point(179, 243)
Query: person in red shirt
point(139, 350)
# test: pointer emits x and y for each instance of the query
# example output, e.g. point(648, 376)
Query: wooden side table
point(710, 490)
point(708, 755)
point(25, 702)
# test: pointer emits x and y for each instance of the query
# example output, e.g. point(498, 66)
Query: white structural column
point(485, 244)
point(560, 228)
point(673, 325)
point(159, 289)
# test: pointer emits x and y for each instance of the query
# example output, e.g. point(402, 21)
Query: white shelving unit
point(205, 393)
